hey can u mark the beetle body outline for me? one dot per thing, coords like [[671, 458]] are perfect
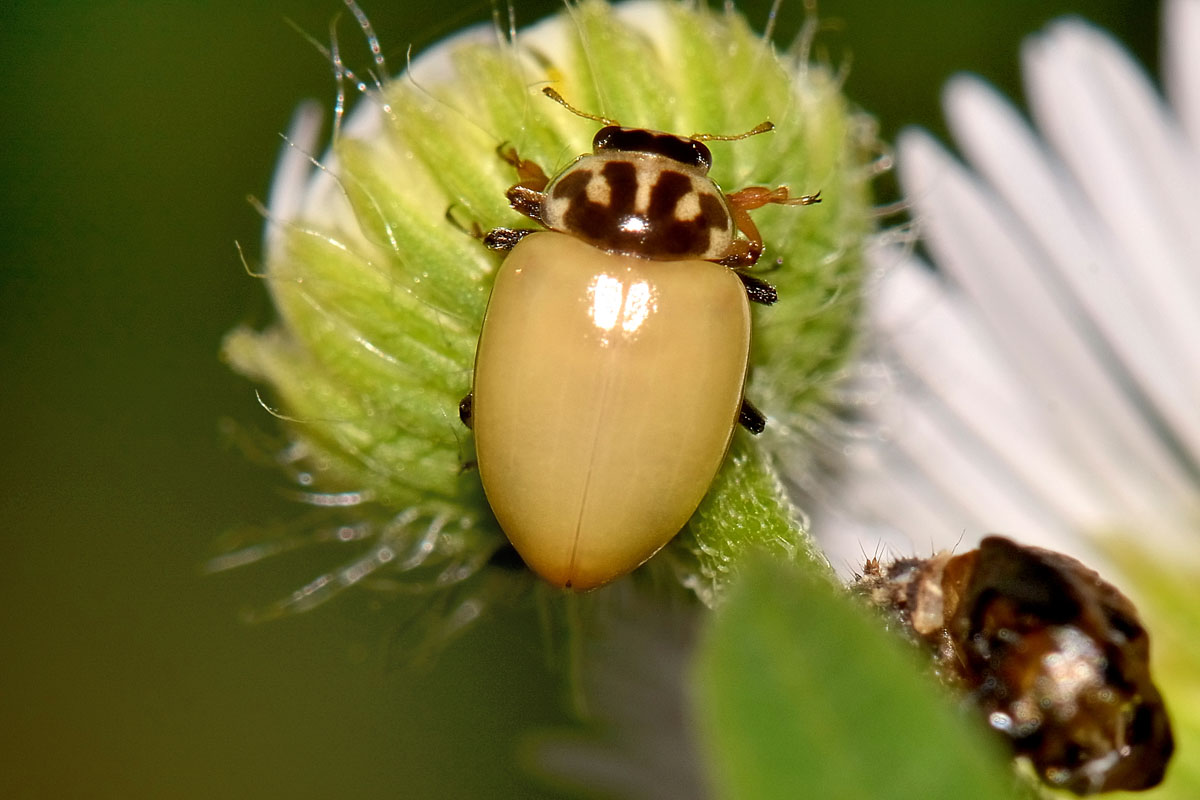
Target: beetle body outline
[[614, 351]]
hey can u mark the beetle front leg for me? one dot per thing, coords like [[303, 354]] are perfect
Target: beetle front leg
[[753, 197], [529, 173], [527, 195], [745, 253]]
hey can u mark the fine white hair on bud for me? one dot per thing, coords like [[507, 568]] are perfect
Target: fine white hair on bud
[[380, 282]]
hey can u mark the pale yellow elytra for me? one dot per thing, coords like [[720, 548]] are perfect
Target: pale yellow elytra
[[606, 391]]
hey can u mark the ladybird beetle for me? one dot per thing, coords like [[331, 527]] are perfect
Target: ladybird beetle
[[1054, 657], [614, 349]]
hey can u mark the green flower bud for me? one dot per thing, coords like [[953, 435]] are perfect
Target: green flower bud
[[381, 288]]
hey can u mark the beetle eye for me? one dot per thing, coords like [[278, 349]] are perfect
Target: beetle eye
[[603, 140]]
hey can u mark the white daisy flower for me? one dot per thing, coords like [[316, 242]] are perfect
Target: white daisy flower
[[1044, 380]]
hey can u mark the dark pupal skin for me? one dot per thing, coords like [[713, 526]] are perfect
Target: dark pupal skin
[[1054, 657]]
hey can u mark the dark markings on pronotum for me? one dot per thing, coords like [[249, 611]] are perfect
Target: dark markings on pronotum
[[664, 235]]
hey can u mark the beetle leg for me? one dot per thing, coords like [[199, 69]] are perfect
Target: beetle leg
[[506, 557], [530, 174], [742, 253], [526, 200], [526, 195], [496, 239], [469, 228], [758, 290], [753, 197], [465, 408], [751, 418], [504, 238], [745, 253]]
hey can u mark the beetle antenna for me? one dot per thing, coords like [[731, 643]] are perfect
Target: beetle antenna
[[761, 127], [558, 98]]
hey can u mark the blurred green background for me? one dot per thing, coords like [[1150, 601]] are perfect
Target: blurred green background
[[133, 133]]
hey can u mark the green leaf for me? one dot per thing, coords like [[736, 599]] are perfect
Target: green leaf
[[799, 693]]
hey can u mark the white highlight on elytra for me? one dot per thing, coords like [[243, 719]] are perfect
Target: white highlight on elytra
[[638, 305], [612, 304], [606, 295]]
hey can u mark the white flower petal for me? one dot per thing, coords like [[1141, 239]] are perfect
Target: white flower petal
[[1084, 269], [962, 451], [980, 408], [1181, 67], [1135, 168], [984, 250]]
